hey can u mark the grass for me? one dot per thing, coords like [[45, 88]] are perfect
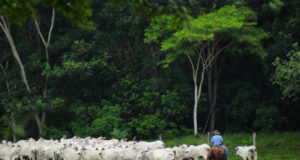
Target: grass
[[270, 146]]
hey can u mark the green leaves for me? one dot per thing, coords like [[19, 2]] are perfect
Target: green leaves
[[78, 61], [19, 11], [287, 74], [79, 11], [276, 4], [108, 120], [148, 125], [160, 25], [204, 27], [228, 21], [251, 36], [156, 8]]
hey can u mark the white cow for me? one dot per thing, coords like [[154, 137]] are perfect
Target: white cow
[[130, 153], [143, 145], [110, 154], [158, 154], [181, 152], [9, 152], [49, 151], [247, 152], [90, 153], [199, 151], [69, 153]]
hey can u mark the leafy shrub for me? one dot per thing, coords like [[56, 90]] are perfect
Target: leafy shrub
[[118, 134], [107, 121], [268, 118], [54, 133]]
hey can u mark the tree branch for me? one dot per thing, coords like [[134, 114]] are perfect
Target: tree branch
[[192, 64], [51, 27], [3, 25], [39, 32], [219, 51]]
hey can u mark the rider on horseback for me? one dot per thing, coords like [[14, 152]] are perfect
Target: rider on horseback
[[217, 140]]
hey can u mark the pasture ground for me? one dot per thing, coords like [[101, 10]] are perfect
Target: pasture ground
[[270, 146]]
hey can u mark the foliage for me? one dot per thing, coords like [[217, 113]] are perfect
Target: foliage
[[268, 118], [287, 74], [9, 130], [108, 121], [19, 11], [116, 133], [242, 110], [148, 125], [51, 132], [148, 110], [83, 115], [154, 8], [106, 82], [204, 28]]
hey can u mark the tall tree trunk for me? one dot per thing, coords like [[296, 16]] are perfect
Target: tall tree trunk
[[5, 27], [154, 60], [213, 75], [210, 99], [212, 92], [195, 111], [197, 88], [205, 61], [41, 121], [13, 127]]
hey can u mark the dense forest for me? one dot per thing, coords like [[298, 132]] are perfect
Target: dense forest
[[141, 69]]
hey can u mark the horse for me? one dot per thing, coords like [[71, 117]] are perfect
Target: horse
[[216, 153]]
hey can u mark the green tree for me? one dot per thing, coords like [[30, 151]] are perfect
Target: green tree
[[203, 40], [17, 12], [287, 74]]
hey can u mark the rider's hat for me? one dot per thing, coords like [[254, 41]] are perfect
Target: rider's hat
[[216, 132]]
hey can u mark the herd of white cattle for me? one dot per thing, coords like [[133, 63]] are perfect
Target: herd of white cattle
[[89, 148]]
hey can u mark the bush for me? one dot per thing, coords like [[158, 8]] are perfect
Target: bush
[[54, 133]]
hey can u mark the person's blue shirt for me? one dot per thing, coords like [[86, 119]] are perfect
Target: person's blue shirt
[[217, 140]]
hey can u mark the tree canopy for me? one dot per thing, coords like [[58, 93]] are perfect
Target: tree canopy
[[287, 73], [18, 11]]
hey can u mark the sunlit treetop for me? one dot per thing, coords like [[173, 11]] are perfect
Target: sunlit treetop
[[229, 21], [202, 27]]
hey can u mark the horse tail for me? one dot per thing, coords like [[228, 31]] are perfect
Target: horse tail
[[210, 155], [216, 153]]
